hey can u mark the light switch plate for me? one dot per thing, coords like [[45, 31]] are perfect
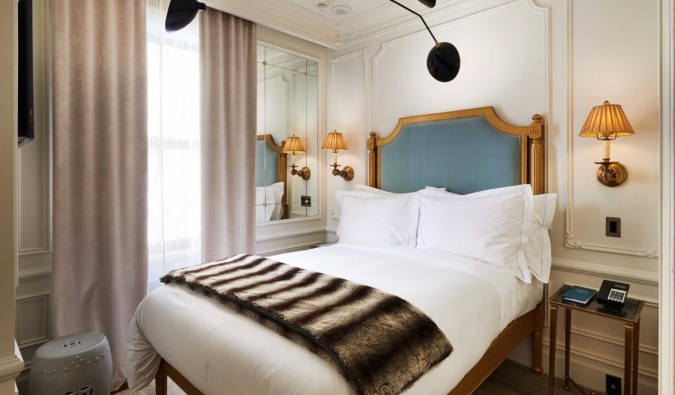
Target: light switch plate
[[306, 201], [613, 227], [613, 385]]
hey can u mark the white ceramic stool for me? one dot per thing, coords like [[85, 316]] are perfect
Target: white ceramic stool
[[72, 365]]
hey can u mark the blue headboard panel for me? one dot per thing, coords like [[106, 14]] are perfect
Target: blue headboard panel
[[463, 151], [463, 155], [266, 164]]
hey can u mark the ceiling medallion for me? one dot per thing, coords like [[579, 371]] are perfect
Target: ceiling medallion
[[322, 4]]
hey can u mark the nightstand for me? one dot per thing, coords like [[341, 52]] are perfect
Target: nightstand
[[629, 316]]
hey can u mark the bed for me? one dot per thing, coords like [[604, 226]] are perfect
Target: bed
[[464, 151], [271, 180]]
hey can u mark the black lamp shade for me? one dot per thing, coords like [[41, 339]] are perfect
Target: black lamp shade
[[181, 13], [443, 62], [428, 3]]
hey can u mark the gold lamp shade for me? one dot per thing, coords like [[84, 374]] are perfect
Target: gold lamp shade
[[334, 142], [293, 145], [607, 121]]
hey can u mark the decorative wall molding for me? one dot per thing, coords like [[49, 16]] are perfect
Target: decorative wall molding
[[43, 299], [363, 53], [34, 273], [605, 271], [291, 234], [619, 342], [607, 363], [570, 240]]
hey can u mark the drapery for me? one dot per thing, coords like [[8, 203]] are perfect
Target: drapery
[[174, 192], [100, 168], [228, 133]]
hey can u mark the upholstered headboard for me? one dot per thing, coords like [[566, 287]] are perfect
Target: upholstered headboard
[[464, 151]]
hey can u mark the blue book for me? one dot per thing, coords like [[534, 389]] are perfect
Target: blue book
[[579, 294]]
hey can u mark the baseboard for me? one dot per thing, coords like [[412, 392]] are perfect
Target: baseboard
[[586, 368]]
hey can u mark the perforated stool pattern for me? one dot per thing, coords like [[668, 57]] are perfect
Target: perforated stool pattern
[[72, 365]]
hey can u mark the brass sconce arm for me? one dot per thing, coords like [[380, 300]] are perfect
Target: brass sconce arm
[[611, 174], [347, 173], [303, 173]]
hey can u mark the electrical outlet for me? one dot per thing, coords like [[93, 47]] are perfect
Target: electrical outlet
[[305, 201], [613, 227], [612, 385]]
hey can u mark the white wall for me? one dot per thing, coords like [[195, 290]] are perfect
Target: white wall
[[559, 59], [10, 365]]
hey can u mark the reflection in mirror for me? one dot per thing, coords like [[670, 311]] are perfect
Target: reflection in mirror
[[287, 108]]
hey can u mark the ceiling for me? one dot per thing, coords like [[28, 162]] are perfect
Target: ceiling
[[328, 27]]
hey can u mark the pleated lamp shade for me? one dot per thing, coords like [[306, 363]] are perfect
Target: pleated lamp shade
[[293, 145], [607, 120], [334, 142]]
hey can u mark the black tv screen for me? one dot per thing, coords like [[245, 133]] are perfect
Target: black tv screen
[[26, 131]]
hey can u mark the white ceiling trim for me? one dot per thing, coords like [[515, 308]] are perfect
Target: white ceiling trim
[[312, 26]]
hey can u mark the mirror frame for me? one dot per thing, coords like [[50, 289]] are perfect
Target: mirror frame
[[320, 65]]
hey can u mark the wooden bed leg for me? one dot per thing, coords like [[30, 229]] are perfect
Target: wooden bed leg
[[161, 381], [537, 341]]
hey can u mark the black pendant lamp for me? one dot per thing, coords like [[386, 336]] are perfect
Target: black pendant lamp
[[181, 13], [443, 61]]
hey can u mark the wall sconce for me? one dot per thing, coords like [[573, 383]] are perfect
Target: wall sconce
[[336, 142], [606, 123], [294, 146]]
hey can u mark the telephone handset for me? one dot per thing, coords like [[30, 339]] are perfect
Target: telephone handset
[[613, 294]]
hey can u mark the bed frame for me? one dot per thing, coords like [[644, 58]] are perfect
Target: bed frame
[[528, 156], [276, 155]]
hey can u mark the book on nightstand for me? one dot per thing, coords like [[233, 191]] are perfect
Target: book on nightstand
[[579, 295]]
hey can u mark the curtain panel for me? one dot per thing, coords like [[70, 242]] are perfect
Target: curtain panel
[[228, 92], [100, 168]]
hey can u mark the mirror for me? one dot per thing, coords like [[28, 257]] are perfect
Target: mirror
[[287, 106]]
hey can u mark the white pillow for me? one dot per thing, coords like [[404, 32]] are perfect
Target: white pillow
[[538, 249], [379, 220], [278, 190], [492, 229], [366, 188], [341, 195]]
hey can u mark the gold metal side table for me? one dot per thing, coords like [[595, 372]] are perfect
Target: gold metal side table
[[629, 315]]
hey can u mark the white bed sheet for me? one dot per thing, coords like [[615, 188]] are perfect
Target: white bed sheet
[[222, 352]]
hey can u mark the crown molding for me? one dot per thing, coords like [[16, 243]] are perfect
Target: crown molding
[[290, 18]]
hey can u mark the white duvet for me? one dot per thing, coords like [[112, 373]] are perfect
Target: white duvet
[[224, 353]]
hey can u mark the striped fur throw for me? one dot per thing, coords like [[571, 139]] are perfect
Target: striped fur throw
[[380, 343]]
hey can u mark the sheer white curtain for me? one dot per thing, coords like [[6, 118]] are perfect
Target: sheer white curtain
[[174, 174]]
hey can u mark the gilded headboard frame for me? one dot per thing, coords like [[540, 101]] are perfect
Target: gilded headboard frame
[[533, 160], [282, 168]]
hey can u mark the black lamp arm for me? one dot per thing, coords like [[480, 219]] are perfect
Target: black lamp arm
[[423, 21]]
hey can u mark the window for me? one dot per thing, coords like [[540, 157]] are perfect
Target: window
[[174, 177]]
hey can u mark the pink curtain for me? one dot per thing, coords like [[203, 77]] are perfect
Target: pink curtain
[[100, 168], [228, 133]]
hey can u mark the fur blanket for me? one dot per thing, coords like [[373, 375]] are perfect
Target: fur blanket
[[379, 342]]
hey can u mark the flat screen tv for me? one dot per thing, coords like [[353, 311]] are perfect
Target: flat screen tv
[[26, 129]]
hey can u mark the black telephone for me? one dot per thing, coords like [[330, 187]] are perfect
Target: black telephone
[[612, 294]]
